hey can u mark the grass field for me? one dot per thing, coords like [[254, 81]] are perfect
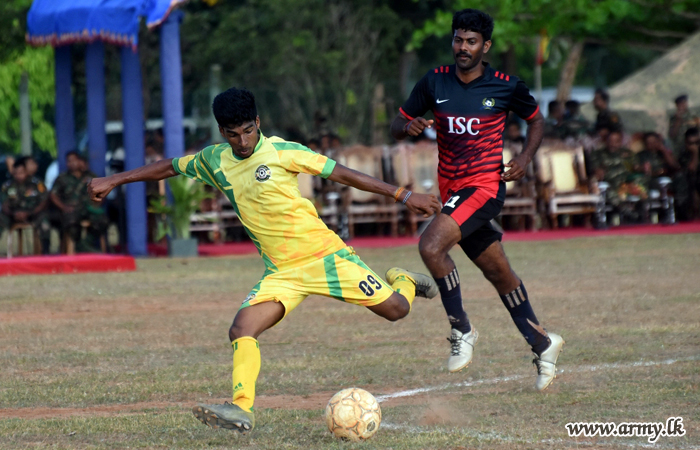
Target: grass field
[[118, 360]]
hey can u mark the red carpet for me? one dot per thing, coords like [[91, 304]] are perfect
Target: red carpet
[[88, 262], [93, 262], [245, 248]]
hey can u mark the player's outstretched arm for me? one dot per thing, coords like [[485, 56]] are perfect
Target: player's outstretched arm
[[159, 170], [517, 167], [401, 127], [418, 203]]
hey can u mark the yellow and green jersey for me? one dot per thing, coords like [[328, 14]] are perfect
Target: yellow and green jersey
[[264, 192]]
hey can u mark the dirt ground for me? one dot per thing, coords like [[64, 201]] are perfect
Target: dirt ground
[[119, 360]]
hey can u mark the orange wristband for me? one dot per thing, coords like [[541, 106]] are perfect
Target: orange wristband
[[397, 193]]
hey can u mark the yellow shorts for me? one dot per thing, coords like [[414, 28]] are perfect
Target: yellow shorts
[[341, 275]]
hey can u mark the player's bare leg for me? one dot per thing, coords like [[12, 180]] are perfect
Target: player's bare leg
[[438, 239], [545, 346], [442, 234], [394, 308], [407, 285], [248, 324]]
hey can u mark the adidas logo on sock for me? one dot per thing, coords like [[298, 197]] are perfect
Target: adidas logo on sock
[[237, 387]]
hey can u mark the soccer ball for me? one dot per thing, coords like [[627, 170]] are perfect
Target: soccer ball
[[353, 414]]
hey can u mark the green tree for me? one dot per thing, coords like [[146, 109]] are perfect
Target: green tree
[[300, 57], [656, 24], [17, 57]]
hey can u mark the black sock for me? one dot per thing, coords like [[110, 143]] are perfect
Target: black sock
[[451, 295], [521, 312]]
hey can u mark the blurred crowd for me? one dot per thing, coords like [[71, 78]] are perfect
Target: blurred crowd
[[628, 167], [631, 164], [58, 201]]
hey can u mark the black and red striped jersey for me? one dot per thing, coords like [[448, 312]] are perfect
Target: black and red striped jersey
[[469, 120]]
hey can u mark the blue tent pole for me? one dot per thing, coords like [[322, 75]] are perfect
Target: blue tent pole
[[96, 108], [171, 81], [65, 119], [132, 116]]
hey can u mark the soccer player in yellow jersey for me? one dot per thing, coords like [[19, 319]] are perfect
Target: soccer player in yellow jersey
[[302, 256]]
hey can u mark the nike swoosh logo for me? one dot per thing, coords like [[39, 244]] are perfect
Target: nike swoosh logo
[[441, 101]]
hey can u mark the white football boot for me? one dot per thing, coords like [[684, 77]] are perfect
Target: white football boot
[[462, 349], [546, 362]]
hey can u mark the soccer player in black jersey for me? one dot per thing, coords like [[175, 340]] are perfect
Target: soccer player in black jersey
[[470, 102]]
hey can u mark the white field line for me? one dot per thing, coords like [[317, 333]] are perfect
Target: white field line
[[498, 380], [504, 438]]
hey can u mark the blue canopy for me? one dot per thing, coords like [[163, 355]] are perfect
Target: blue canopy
[[60, 22]]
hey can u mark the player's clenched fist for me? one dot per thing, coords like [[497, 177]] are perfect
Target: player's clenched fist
[[426, 204], [417, 125], [99, 188], [516, 168]]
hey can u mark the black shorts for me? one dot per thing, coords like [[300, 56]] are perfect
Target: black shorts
[[473, 209]]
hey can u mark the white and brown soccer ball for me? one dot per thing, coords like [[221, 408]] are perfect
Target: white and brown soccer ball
[[353, 414]]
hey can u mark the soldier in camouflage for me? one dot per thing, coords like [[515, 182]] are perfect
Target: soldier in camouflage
[[686, 183], [615, 165], [69, 194], [24, 201], [679, 123], [654, 161]]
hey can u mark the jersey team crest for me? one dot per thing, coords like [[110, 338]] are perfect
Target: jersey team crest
[[488, 103], [262, 173]]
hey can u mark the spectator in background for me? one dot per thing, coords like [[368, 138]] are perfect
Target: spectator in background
[[614, 164], [605, 116], [314, 144], [336, 142], [32, 168], [553, 125], [24, 201], [70, 196], [514, 133], [6, 163], [687, 181], [334, 147], [679, 123], [325, 145], [655, 160], [575, 124], [593, 143]]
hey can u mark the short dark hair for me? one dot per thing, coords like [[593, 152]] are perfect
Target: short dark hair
[[552, 106], [234, 107], [473, 20], [603, 94], [681, 98], [649, 134], [74, 153], [572, 104], [20, 162], [695, 131]]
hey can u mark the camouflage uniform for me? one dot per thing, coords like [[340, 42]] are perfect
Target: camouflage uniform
[[575, 126], [72, 191], [688, 120], [24, 197], [656, 163], [685, 183], [624, 182]]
